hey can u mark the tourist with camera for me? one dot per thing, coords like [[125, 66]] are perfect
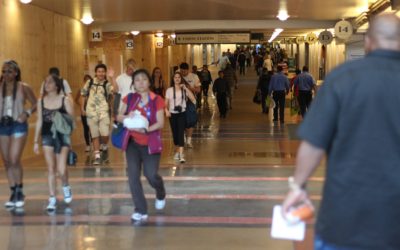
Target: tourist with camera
[[175, 103], [14, 127]]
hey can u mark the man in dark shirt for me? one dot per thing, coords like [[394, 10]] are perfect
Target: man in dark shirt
[[355, 121], [206, 79], [305, 84], [242, 62], [221, 89], [263, 86], [279, 87]]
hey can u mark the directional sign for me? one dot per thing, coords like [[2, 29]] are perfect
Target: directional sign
[[129, 44], [325, 37], [344, 30], [97, 35], [311, 38]]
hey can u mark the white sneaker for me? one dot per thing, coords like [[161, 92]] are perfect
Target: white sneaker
[[182, 158], [176, 156], [52, 204], [139, 217], [160, 204], [67, 194]]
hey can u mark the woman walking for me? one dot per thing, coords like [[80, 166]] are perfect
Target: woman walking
[[157, 82], [78, 100], [143, 148], [14, 127], [53, 109], [175, 102]]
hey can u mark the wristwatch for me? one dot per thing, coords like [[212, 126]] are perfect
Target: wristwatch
[[293, 186]]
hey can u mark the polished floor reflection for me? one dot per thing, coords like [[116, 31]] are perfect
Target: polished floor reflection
[[222, 198]]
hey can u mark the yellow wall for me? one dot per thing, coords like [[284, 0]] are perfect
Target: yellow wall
[[38, 39]]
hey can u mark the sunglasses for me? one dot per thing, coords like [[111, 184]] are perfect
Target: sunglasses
[[7, 71]]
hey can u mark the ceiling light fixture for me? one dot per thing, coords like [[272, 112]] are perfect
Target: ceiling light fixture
[[173, 35], [275, 34], [159, 34], [283, 15], [135, 32], [25, 1], [87, 19]]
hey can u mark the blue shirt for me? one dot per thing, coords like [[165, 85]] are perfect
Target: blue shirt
[[305, 81], [279, 82]]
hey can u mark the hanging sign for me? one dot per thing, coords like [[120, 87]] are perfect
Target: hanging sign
[[213, 38], [300, 39], [159, 42], [325, 37], [311, 38], [129, 44], [97, 35], [343, 30]]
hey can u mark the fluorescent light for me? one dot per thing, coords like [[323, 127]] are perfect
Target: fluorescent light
[[159, 34], [275, 34], [283, 15], [87, 19], [173, 35], [25, 1], [135, 32]]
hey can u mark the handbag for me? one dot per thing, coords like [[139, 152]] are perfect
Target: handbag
[[190, 114], [118, 133], [257, 97], [72, 158]]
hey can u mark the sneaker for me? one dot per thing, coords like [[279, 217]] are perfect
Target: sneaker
[[67, 194], [97, 161], [182, 158], [176, 156], [52, 204], [139, 217], [20, 199], [87, 149], [160, 204], [11, 202]]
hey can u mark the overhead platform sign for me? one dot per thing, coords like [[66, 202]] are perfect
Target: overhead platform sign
[[213, 38]]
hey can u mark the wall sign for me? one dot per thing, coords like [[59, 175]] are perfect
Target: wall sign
[[129, 44], [97, 35], [213, 38], [325, 37], [343, 30], [159, 42], [311, 38]]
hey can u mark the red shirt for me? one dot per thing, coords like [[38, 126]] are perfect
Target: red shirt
[[143, 139]]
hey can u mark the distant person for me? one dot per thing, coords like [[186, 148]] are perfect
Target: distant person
[[306, 84], [206, 80], [268, 64], [354, 120], [175, 102], [81, 100], [139, 154], [295, 89], [223, 61], [221, 91], [248, 57], [231, 78], [66, 89], [157, 82], [199, 93], [98, 96], [55, 110], [14, 115], [242, 63], [124, 81], [263, 86], [279, 87], [194, 86]]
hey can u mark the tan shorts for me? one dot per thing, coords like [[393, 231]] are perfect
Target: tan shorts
[[99, 125]]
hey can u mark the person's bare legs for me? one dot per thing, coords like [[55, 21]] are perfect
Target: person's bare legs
[[51, 168], [4, 150], [189, 133], [61, 160]]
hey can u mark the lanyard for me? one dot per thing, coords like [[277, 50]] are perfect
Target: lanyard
[[146, 108]]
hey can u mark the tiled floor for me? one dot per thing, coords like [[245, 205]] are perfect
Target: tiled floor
[[222, 198]]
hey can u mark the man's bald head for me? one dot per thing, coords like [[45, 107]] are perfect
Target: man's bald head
[[383, 33]]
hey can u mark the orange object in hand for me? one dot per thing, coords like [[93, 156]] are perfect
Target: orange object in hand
[[301, 213]]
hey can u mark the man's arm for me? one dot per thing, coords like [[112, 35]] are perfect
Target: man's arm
[[308, 159]]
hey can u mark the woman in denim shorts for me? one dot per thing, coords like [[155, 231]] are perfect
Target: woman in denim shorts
[[56, 148], [14, 127]]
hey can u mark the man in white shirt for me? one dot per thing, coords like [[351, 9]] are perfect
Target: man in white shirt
[[66, 88], [195, 86], [268, 63], [223, 61], [124, 84]]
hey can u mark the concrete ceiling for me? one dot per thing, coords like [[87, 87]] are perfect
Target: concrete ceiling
[[207, 15]]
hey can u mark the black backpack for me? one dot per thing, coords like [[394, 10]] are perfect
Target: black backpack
[[91, 83]]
